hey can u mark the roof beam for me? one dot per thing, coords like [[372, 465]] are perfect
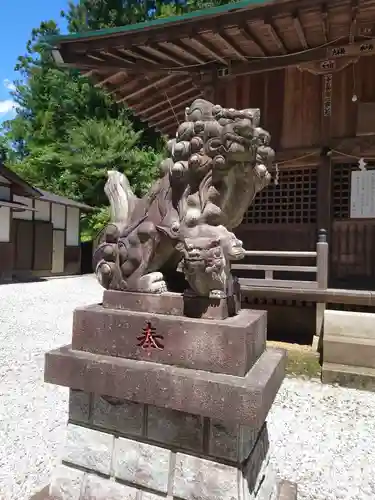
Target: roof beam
[[168, 106], [137, 55], [273, 32], [171, 100], [356, 49], [143, 106], [186, 28], [155, 83], [325, 26], [213, 51], [300, 31], [159, 52], [246, 33], [232, 45], [89, 62], [189, 51]]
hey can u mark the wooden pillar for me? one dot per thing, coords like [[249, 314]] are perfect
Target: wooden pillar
[[324, 194]]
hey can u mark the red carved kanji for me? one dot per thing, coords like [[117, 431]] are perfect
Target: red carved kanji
[[149, 338]]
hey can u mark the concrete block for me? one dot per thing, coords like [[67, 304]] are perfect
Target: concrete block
[[232, 442], [89, 448], [349, 324], [142, 464], [351, 351], [98, 488], [79, 406], [66, 484], [126, 417], [175, 428], [349, 376], [204, 479]]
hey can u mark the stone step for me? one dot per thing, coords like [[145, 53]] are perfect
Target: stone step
[[351, 351], [349, 376]]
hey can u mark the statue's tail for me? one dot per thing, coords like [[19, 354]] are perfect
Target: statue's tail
[[121, 198]]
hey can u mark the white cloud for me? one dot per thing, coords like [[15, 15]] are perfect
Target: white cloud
[[9, 85], [7, 106]]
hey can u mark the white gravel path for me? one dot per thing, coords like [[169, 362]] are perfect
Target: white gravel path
[[322, 437]]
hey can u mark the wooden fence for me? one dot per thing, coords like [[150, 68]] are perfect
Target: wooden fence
[[319, 270]]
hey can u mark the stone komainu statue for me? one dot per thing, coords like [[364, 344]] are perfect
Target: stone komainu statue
[[218, 161]]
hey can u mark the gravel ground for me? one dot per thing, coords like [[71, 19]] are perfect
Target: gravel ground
[[322, 437]]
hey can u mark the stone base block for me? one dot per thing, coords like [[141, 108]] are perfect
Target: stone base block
[[175, 304], [236, 400], [230, 346], [349, 376], [100, 465]]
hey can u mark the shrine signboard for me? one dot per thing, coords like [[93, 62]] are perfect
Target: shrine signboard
[[362, 194]]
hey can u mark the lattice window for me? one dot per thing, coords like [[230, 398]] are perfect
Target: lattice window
[[292, 201], [341, 184]]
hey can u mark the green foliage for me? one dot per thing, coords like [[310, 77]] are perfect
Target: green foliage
[[67, 133]]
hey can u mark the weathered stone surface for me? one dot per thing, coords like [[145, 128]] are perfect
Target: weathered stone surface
[[240, 400], [126, 417], [89, 448], [79, 406], [142, 464], [98, 488], [66, 484], [232, 442], [200, 479], [175, 428], [158, 303], [229, 346], [257, 461]]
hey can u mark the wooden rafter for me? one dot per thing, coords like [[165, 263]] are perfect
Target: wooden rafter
[[159, 52], [300, 31], [213, 51], [190, 51], [353, 20], [148, 103], [248, 35], [293, 59], [107, 79], [114, 54], [154, 84], [276, 37], [134, 53], [187, 29], [232, 45], [172, 100], [168, 107], [325, 27]]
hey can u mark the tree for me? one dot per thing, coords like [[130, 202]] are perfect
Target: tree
[[67, 132]]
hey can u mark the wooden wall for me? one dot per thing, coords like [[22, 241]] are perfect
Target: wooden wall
[[291, 102]]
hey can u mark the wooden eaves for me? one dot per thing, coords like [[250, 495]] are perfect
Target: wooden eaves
[[157, 68]]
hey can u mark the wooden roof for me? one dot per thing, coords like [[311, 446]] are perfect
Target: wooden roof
[[158, 68]]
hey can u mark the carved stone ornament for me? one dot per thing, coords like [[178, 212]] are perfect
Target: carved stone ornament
[[181, 231]]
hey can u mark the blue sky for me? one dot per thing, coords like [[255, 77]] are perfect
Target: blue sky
[[18, 18]]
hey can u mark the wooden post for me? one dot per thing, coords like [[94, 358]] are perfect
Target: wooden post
[[324, 198], [322, 254]]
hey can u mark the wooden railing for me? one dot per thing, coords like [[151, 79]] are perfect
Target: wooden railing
[[320, 269]]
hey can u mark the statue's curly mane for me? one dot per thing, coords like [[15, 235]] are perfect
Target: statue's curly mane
[[218, 161]]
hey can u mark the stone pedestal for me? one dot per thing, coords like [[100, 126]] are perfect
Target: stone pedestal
[[166, 406]]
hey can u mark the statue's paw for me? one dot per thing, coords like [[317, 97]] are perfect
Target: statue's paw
[[152, 283]]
